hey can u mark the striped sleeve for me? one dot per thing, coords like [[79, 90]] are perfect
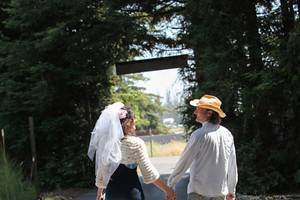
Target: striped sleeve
[[149, 172], [99, 182]]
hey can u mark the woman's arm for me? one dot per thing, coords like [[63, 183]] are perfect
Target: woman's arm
[[100, 185], [100, 194], [169, 193], [150, 173]]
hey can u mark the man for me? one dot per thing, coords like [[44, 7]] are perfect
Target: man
[[210, 155]]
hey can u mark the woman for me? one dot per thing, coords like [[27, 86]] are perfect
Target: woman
[[118, 153]]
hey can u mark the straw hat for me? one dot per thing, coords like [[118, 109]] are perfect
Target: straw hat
[[209, 102]]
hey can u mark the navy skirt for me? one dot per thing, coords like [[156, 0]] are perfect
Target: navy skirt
[[124, 184]]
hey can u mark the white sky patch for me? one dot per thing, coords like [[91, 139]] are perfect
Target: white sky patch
[[161, 81]]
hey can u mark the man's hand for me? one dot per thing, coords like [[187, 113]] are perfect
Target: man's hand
[[230, 196]]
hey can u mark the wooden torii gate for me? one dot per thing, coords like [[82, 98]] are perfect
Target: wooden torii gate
[[152, 64]]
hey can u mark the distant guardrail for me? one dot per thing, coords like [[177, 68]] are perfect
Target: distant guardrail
[[162, 139]]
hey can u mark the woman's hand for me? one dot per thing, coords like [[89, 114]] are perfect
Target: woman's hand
[[100, 194], [170, 194]]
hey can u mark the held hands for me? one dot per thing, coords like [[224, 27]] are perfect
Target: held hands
[[170, 195], [230, 196], [100, 194]]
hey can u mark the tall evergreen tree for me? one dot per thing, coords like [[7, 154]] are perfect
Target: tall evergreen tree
[[54, 61], [243, 54]]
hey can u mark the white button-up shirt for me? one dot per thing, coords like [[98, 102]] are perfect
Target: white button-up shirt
[[210, 155]]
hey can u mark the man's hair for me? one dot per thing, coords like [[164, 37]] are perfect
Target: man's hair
[[214, 118]]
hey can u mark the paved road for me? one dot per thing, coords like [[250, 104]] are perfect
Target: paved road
[[165, 166]]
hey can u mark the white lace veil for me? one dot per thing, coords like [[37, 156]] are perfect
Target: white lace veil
[[105, 142]]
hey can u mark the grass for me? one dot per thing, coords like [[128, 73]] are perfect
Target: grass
[[176, 130], [173, 148], [64, 194], [51, 196], [13, 186]]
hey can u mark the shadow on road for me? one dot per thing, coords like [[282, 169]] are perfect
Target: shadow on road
[[164, 165], [151, 191]]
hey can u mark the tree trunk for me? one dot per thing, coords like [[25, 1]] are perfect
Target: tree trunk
[[298, 4], [34, 173], [292, 12], [287, 14], [199, 69], [253, 37], [253, 42]]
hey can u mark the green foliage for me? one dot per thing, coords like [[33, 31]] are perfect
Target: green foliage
[[13, 186], [247, 168], [256, 181], [297, 177], [247, 54], [55, 56], [147, 107], [54, 60]]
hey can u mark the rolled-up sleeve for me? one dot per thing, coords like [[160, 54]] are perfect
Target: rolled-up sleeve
[[185, 160], [149, 172], [99, 182], [232, 171]]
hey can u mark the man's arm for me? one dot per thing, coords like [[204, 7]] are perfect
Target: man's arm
[[232, 171], [185, 160]]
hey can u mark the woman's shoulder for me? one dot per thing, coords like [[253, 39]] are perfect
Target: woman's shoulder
[[132, 141]]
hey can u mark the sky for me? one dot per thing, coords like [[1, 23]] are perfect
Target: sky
[[161, 81]]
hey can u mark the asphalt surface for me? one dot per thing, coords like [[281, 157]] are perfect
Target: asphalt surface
[[165, 166]]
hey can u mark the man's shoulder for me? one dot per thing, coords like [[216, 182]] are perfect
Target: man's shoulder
[[199, 132], [225, 131]]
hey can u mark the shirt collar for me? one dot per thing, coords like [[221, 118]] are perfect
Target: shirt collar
[[205, 123]]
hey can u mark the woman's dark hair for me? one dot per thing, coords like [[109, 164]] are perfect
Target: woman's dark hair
[[214, 118], [128, 119]]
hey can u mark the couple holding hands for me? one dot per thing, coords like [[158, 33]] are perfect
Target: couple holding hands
[[209, 153]]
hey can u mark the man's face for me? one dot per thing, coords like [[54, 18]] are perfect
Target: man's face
[[202, 114]]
